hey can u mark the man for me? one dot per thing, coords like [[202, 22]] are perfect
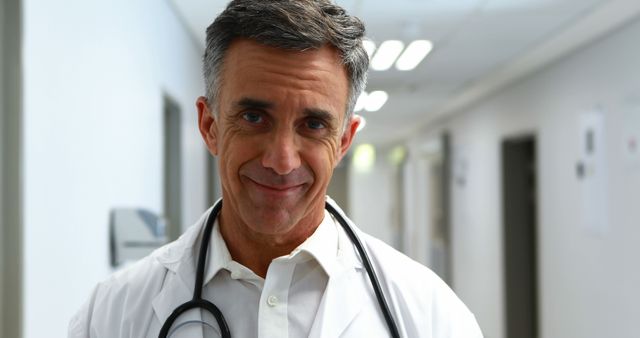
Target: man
[[282, 78]]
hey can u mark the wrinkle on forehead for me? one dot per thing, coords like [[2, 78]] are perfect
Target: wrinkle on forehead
[[255, 50], [309, 65], [288, 68]]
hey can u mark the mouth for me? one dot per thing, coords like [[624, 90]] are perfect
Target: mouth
[[276, 189]]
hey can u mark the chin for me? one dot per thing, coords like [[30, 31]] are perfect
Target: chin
[[272, 222]]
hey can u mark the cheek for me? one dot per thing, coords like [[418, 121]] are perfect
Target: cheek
[[322, 159], [233, 142], [333, 151], [235, 151]]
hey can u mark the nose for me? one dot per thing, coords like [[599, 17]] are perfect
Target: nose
[[282, 152]]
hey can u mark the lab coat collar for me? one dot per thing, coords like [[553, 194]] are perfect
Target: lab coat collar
[[348, 257]]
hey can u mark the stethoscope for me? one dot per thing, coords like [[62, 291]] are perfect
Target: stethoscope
[[198, 302]]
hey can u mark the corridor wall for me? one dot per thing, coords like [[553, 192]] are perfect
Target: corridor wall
[[96, 73], [588, 276]]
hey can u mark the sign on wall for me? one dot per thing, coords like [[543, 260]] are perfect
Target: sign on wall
[[592, 171], [631, 139]]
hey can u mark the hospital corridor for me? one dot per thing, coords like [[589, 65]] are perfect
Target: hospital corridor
[[498, 144]]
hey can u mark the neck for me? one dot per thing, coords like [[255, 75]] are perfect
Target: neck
[[256, 250]]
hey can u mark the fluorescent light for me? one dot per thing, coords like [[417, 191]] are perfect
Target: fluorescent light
[[364, 157], [415, 52], [362, 100], [386, 55], [369, 46], [375, 100], [397, 155]]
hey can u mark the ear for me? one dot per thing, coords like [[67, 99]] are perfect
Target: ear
[[207, 125], [349, 134]]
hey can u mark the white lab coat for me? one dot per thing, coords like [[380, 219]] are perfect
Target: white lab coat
[[136, 302]]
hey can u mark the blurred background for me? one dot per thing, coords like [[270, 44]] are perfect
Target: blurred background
[[503, 152]]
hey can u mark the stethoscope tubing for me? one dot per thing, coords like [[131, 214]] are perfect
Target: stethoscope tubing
[[198, 302]]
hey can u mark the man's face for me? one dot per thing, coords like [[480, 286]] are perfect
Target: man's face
[[278, 134]]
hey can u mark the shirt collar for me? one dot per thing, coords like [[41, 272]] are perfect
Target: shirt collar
[[322, 246], [218, 256]]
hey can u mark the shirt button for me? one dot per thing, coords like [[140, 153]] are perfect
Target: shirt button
[[272, 301]]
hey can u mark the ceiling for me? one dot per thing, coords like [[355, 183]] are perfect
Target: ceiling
[[479, 47]]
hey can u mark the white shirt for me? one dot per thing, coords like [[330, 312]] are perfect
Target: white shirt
[[285, 303]]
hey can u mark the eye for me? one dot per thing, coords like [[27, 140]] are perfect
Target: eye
[[252, 117], [315, 124]]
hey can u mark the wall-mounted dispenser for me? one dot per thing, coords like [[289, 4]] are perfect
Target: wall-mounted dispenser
[[134, 233]]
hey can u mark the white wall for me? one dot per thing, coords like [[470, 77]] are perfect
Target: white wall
[[95, 76], [588, 280], [370, 197], [416, 227]]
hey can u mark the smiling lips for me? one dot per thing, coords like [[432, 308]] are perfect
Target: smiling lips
[[277, 188], [271, 183]]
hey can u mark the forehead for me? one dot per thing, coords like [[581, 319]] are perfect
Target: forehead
[[254, 69]]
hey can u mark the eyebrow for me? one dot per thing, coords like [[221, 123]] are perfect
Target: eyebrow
[[247, 102], [320, 114]]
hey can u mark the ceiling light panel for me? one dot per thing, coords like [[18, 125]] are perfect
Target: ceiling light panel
[[414, 54], [386, 55], [364, 158], [362, 100], [375, 100], [369, 47]]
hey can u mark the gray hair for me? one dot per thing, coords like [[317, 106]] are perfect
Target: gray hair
[[288, 24]]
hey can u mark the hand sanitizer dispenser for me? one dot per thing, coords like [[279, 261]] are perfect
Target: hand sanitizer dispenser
[[134, 233]]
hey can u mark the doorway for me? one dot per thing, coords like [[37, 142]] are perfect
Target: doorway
[[11, 224], [172, 168], [519, 184]]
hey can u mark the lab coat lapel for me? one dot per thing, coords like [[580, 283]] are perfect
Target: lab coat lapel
[[344, 296], [174, 293], [170, 298], [341, 303], [179, 280]]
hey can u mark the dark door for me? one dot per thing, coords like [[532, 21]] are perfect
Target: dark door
[[520, 253]]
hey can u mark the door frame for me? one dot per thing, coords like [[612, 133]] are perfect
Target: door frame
[[11, 228]]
